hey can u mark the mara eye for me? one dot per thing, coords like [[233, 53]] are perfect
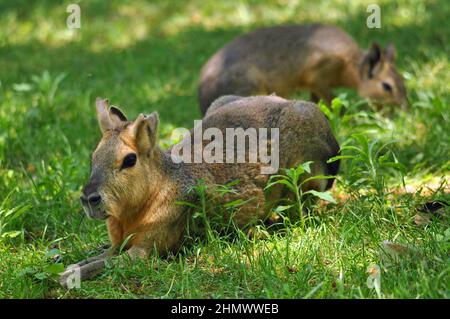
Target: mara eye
[[129, 161], [386, 86]]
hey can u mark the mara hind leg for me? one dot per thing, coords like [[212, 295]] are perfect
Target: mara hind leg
[[247, 193]]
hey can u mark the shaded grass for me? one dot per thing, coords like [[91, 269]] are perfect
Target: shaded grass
[[146, 56]]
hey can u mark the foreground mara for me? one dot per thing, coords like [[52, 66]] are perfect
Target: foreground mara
[[312, 57], [135, 186]]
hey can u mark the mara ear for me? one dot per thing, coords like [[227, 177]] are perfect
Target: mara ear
[[108, 118], [104, 120], [390, 52], [372, 61], [115, 111], [145, 131]]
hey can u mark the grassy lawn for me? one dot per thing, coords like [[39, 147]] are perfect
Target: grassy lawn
[[146, 56]]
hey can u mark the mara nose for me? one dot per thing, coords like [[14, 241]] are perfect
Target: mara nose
[[92, 199]]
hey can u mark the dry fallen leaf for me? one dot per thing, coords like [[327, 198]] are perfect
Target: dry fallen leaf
[[373, 270], [394, 251], [292, 270], [421, 219], [435, 208]]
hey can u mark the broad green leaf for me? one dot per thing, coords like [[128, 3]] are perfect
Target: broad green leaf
[[325, 109], [11, 234], [322, 195], [280, 209], [317, 177], [41, 275], [52, 252], [185, 204], [307, 166], [283, 182], [54, 269], [237, 202], [22, 87], [26, 271], [339, 157]]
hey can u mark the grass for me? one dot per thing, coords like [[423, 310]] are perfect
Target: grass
[[146, 56]]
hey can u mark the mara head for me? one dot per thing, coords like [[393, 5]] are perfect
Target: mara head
[[380, 82], [121, 163]]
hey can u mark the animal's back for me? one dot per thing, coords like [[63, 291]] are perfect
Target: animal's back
[[304, 131], [304, 135], [273, 60]]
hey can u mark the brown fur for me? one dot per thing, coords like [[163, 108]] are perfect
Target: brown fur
[[141, 201], [315, 57]]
